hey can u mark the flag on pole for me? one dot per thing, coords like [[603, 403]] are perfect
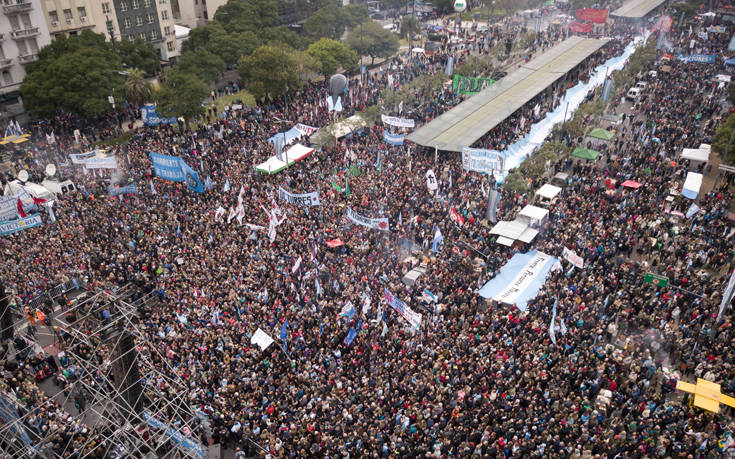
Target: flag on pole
[[153, 189], [227, 186], [284, 335], [438, 238], [492, 205], [348, 310], [208, 183], [21, 213], [552, 328]]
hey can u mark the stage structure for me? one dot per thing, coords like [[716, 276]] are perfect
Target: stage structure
[[133, 409]]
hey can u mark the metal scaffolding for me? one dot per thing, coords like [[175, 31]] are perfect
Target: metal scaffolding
[[134, 409]]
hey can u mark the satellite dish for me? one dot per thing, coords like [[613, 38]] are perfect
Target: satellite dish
[[50, 170], [23, 175]]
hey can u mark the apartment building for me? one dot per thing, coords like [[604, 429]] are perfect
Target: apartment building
[[69, 17], [150, 20], [195, 13], [23, 33]]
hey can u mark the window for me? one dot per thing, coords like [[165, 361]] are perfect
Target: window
[[53, 16], [147, 3], [7, 78], [170, 46], [22, 48], [105, 8], [136, 4], [167, 30], [161, 2], [150, 18], [2, 53], [164, 15], [82, 12], [68, 16], [123, 6], [26, 19], [14, 23], [139, 21], [127, 23], [32, 45], [153, 35], [141, 35]]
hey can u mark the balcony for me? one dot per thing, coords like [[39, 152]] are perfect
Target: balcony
[[5, 63], [28, 58], [17, 8], [23, 33]]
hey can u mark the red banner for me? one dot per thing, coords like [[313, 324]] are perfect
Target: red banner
[[581, 27], [592, 15]]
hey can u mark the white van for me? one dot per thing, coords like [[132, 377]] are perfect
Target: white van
[[642, 85], [56, 187], [633, 94]]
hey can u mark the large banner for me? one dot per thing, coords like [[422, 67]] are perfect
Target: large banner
[[592, 15], [581, 27], [80, 158], [411, 316], [175, 169], [13, 226], [393, 139], [9, 206], [663, 23], [374, 223], [520, 279], [398, 122], [700, 58], [99, 162], [470, 85], [151, 118], [485, 161], [306, 199], [127, 189]]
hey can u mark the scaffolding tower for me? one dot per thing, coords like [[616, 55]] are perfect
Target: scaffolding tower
[[134, 408]]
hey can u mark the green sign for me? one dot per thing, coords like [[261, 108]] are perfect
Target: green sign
[[470, 85], [656, 280]]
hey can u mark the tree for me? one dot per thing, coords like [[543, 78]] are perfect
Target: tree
[[139, 54], [325, 22], [181, 94], [409, 27], [203, 64], [722, 137], [515, 183], [137, 89], [373, 40], [227, 46], [247, 15], [271, 70], [331, 55], [443, 6], [74, 74]]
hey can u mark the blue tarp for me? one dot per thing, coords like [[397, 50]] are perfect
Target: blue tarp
[[520, 279]]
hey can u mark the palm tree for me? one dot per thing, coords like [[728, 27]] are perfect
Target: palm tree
[[137, 89]]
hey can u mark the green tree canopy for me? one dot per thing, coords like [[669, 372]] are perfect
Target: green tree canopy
[[371, 39], [181, 94], [137, 89], [722, 139], [203, 64], [247, 15], [139, 54], [227, 46], [74, 74], [271, 70], [331, 55], [515, 183]]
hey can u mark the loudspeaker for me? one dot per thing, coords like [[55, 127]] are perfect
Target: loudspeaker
[[6, 315]]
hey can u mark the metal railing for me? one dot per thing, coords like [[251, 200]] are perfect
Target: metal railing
[[17, 8], [23, 33], [53, 293]]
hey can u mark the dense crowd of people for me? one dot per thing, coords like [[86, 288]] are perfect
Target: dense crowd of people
[[477, 378]]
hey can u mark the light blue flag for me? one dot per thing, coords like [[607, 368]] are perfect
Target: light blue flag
[[552, 328], [438, 238], [227, 186]]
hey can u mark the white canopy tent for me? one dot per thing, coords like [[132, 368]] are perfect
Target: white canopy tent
[[534, 215], [548, 191], [692, 184], [700, 154]]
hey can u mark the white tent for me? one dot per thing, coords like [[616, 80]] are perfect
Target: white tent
[[697, 154], [548, 191], [692, 184], [37, 191], [534, 214]]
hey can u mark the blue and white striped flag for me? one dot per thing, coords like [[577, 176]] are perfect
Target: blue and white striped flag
[[493, 201]]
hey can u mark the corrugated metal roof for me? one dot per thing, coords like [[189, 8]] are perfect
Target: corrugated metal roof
[[637, 8], [467, 122]]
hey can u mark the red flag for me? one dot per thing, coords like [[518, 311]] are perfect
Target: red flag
[[38, 201], [20, 209]]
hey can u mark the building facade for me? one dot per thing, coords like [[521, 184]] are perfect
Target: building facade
[[150, 20], [68, 17], [194, 13], [23, 33]]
